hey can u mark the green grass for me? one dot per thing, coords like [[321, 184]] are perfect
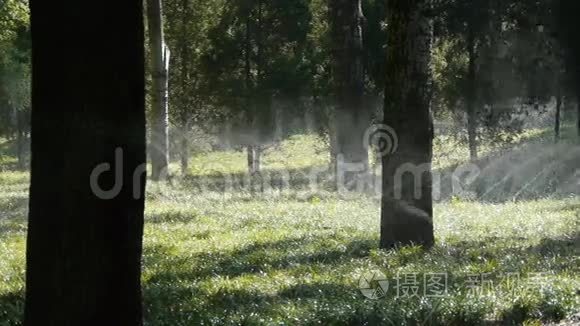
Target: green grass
[[293, 257]]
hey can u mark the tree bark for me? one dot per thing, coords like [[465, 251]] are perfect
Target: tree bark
[[252, 113], [160, 56], [185, 120], [83, 251], [557, 120], [352, 118], [407, 206], [184, 144], [578, 115], [471, 95], [20, 141], [254, 159], [333, 142]]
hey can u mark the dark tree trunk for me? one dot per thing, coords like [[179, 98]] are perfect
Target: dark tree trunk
[[159, 93], [557, 120], [254, 159], [352, 118], [84, 245], [407, 206], [333, 142], [253, 165], [578, 115], [20, 140], [185, 120], [184, 144], [471, 96]]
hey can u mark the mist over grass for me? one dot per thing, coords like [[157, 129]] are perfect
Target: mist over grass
[[294, 257]]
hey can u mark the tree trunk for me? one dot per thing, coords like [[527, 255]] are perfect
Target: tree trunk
[[352, 118], [254, 159], [249, 92], [557, 120], [185, 121], [19, 136], [333, 142], [471, 97], [84, 243], [184, 144], [20, 140], [228, 135], [160, 56], [407, 205], [578, 115]]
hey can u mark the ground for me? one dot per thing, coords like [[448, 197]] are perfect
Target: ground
[[269, 257]]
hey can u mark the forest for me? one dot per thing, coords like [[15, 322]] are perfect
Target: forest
[[289, 162]]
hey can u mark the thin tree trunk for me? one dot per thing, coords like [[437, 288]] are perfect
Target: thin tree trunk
[[253, 148], [160, 57], [228, 134], [185, 121], [278, 122], [84, 242], [248, 86], [557, 120], [471, 97], [332, 138], [184, 144], [262, 103], [20, 140], [254, 159], [352, 118], [407, 205], [578, 115]]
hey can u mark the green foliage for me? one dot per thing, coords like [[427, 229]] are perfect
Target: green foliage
[[188, 23], [449, 69], [13, 16], [14, 63], [375, 42], [258, 53]]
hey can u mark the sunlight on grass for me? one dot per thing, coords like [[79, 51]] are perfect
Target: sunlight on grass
[[293, 258]]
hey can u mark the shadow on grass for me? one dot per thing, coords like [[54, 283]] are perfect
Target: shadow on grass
[[172, 216], [257, 258], [179, 281], [12, 227], [565, 248], [13, 208], [11, 308]]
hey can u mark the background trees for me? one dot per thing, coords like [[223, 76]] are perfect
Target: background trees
[[258, 58], [565, 25], [84, 245], [484, 73], [15, 76], [160, 62], [351, 117]]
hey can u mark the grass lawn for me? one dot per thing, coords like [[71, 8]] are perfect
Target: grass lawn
[[296, 258]]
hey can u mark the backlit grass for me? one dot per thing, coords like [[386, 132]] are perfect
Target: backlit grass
[[294, 257]]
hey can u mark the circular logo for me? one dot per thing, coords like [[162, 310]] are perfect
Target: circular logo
[[383, 138], [373, 285]]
